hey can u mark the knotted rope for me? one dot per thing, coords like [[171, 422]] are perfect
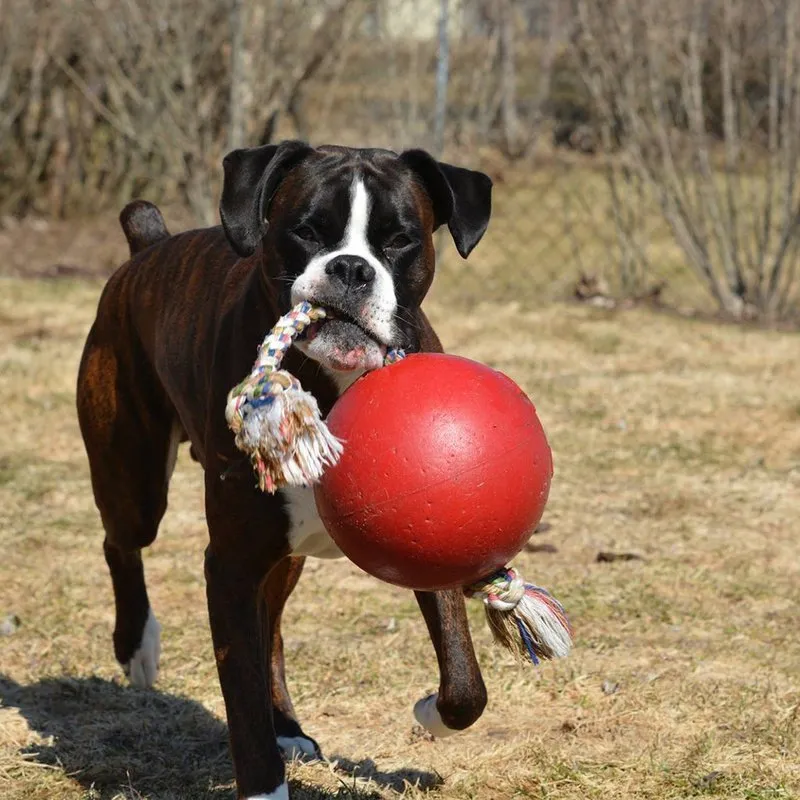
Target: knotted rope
[[524, 618], [279, 426]]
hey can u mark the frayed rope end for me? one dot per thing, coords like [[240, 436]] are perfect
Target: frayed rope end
[[283, 433], [525, 619]]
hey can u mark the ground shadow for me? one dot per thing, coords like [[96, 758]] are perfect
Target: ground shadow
[[110, 737], [107, 736], [398, 779]]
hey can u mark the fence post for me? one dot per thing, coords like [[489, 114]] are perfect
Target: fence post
[[236, 114], [442, 77], [440, 110]]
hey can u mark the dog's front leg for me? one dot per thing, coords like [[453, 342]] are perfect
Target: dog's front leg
[[462, 695], [238, 559]]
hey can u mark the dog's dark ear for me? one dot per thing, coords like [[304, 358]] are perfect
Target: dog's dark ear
[[251, 179], [462, 198]]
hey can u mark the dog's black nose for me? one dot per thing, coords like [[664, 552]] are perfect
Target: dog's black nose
[[352, 271]]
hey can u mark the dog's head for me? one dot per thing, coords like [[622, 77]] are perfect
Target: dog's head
[[352, 231]]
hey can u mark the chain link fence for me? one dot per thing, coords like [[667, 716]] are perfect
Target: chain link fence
[[102, 101]]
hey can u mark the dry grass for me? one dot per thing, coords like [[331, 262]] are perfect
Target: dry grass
[[679, 441]]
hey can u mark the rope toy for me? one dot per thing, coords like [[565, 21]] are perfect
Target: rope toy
[[279, 426], [275, 421]]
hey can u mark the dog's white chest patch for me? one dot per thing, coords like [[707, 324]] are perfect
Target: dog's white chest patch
[[307, 534]]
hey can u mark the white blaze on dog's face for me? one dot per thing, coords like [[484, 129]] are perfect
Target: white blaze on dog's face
[[356, 287], [351, 230]]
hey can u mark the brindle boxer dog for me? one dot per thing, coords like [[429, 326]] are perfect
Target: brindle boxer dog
[[178, 325]]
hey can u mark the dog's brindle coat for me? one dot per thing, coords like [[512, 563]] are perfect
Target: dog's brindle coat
[[179, 324]]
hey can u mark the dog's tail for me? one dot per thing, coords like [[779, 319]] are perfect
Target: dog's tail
[[143, 225]]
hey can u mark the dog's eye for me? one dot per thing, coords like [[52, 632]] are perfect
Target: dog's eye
[[398, 242], [306, 233]]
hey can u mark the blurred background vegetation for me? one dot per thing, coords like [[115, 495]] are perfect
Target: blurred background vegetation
[[643, 151]]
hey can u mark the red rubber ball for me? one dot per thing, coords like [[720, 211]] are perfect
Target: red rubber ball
[[445, 472]]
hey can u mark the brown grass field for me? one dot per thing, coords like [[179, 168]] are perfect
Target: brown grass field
[[675, 440]]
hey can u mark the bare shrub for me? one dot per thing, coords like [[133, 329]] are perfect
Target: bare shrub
[[103, 100], [706, 97], [182, 89], [34, 107]]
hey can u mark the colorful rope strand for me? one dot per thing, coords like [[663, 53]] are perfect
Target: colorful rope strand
[[274, 420]]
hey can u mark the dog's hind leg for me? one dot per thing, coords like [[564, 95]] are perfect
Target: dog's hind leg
[[131, 439], [276, 590]]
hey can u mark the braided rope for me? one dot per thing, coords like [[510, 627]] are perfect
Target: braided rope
[[262, 383], [277, 423]]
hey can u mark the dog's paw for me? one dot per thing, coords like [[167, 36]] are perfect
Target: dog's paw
[[426, 713], [142, 669], [299, 748], [281, 793]]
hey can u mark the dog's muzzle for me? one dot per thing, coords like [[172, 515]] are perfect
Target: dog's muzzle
[[345, 340]]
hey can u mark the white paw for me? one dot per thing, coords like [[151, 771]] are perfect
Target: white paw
[[298, 747], [281, 793], [426, 713], [142, 669]]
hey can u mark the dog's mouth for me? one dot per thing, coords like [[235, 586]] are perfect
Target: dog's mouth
[[332, 315], [342, 342]]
